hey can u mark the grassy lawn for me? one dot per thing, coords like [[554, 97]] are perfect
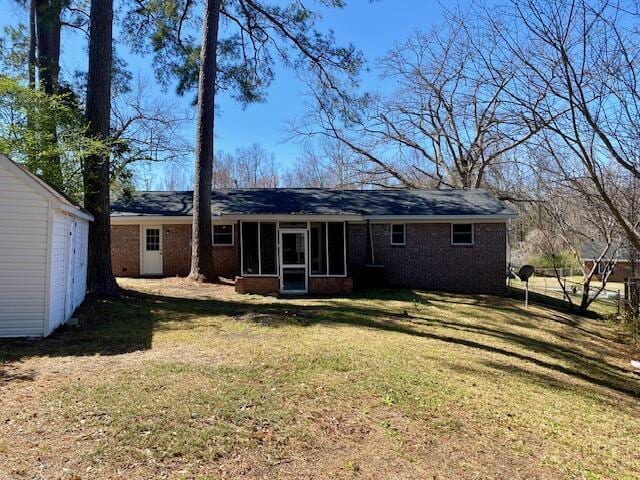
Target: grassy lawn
[[183, 381]]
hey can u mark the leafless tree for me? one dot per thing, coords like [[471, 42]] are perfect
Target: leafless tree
[[579, 59], [145, 127], [326, 163], [568, 223], [176, 177], [447, 122], [248, 167]]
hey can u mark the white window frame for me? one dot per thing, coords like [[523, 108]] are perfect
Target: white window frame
[[404, 234], [473, 235], [259, 274], [326, 246], [213, 235]]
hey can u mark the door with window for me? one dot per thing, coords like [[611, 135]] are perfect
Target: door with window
[[152, 250], [293, 261]]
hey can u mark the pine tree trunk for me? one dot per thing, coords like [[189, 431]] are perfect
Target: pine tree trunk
[[201, 246], [48, 26], [101, 282], [32, 45]]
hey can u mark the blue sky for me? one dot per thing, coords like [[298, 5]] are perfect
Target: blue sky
[[373, 27]]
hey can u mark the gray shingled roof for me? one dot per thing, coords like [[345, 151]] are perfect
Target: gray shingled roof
[[315, 201], [592, 250]]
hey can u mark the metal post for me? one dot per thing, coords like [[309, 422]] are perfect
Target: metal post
[[618, 303]]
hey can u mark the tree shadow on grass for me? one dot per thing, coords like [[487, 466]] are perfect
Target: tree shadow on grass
[[127, 325]]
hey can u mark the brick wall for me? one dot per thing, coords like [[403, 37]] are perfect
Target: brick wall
[[331, 285], [226, 258], [125, 250], [259, 285], [176, 250], [429, 261]]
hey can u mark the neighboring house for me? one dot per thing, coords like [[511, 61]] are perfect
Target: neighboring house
[[318, 240], [43, 254], [622, 261]]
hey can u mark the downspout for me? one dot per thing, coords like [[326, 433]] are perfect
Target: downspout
[[372, 255]]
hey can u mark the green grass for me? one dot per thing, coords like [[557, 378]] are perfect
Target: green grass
[[184, 381]]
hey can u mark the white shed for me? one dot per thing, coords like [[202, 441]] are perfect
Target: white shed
[[43, 254]]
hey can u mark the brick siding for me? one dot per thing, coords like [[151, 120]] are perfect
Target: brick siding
[[226, 258], [125, 250], [176, 250], [331, 285], [621, 271], [259, 285], [429, 261]]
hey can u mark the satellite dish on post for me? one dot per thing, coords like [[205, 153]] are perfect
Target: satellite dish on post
[[525, 272]]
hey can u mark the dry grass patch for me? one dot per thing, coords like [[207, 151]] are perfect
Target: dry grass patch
[[178, 380]]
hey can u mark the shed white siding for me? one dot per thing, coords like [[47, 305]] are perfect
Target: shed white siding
[[58, 270], [23, 257], [43, 254]]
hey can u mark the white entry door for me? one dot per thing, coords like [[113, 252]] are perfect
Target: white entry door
[[293, 261], [152, 250]]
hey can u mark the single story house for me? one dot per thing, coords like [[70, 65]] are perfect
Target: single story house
[[319, 240], [623, 261], [43, 254]]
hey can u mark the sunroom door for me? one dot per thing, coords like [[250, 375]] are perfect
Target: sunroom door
[[293, 261]]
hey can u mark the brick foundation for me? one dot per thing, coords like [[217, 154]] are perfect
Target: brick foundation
[[331, 285], [259, 285]]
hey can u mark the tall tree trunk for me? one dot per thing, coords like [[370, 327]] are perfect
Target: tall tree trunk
[[48, 25], [32, 45], [201, 246], [101, 282]]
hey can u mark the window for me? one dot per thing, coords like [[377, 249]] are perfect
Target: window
[[462, 234], [398, 233], [268, 242], [250, 255], [335, 247], [223, 234], [153, 239], [604, 267], [318, 248], [327, 248], [258, 248]]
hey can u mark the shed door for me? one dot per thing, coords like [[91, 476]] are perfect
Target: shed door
[[151, 250]]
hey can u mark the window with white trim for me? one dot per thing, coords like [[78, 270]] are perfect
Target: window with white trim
[[604, 267], [259, 248], [153, 240], [327, 242], [398, 234], [462, 234], [223, 234]]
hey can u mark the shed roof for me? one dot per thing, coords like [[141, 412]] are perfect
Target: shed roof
[[45, 189], [317, 201]]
